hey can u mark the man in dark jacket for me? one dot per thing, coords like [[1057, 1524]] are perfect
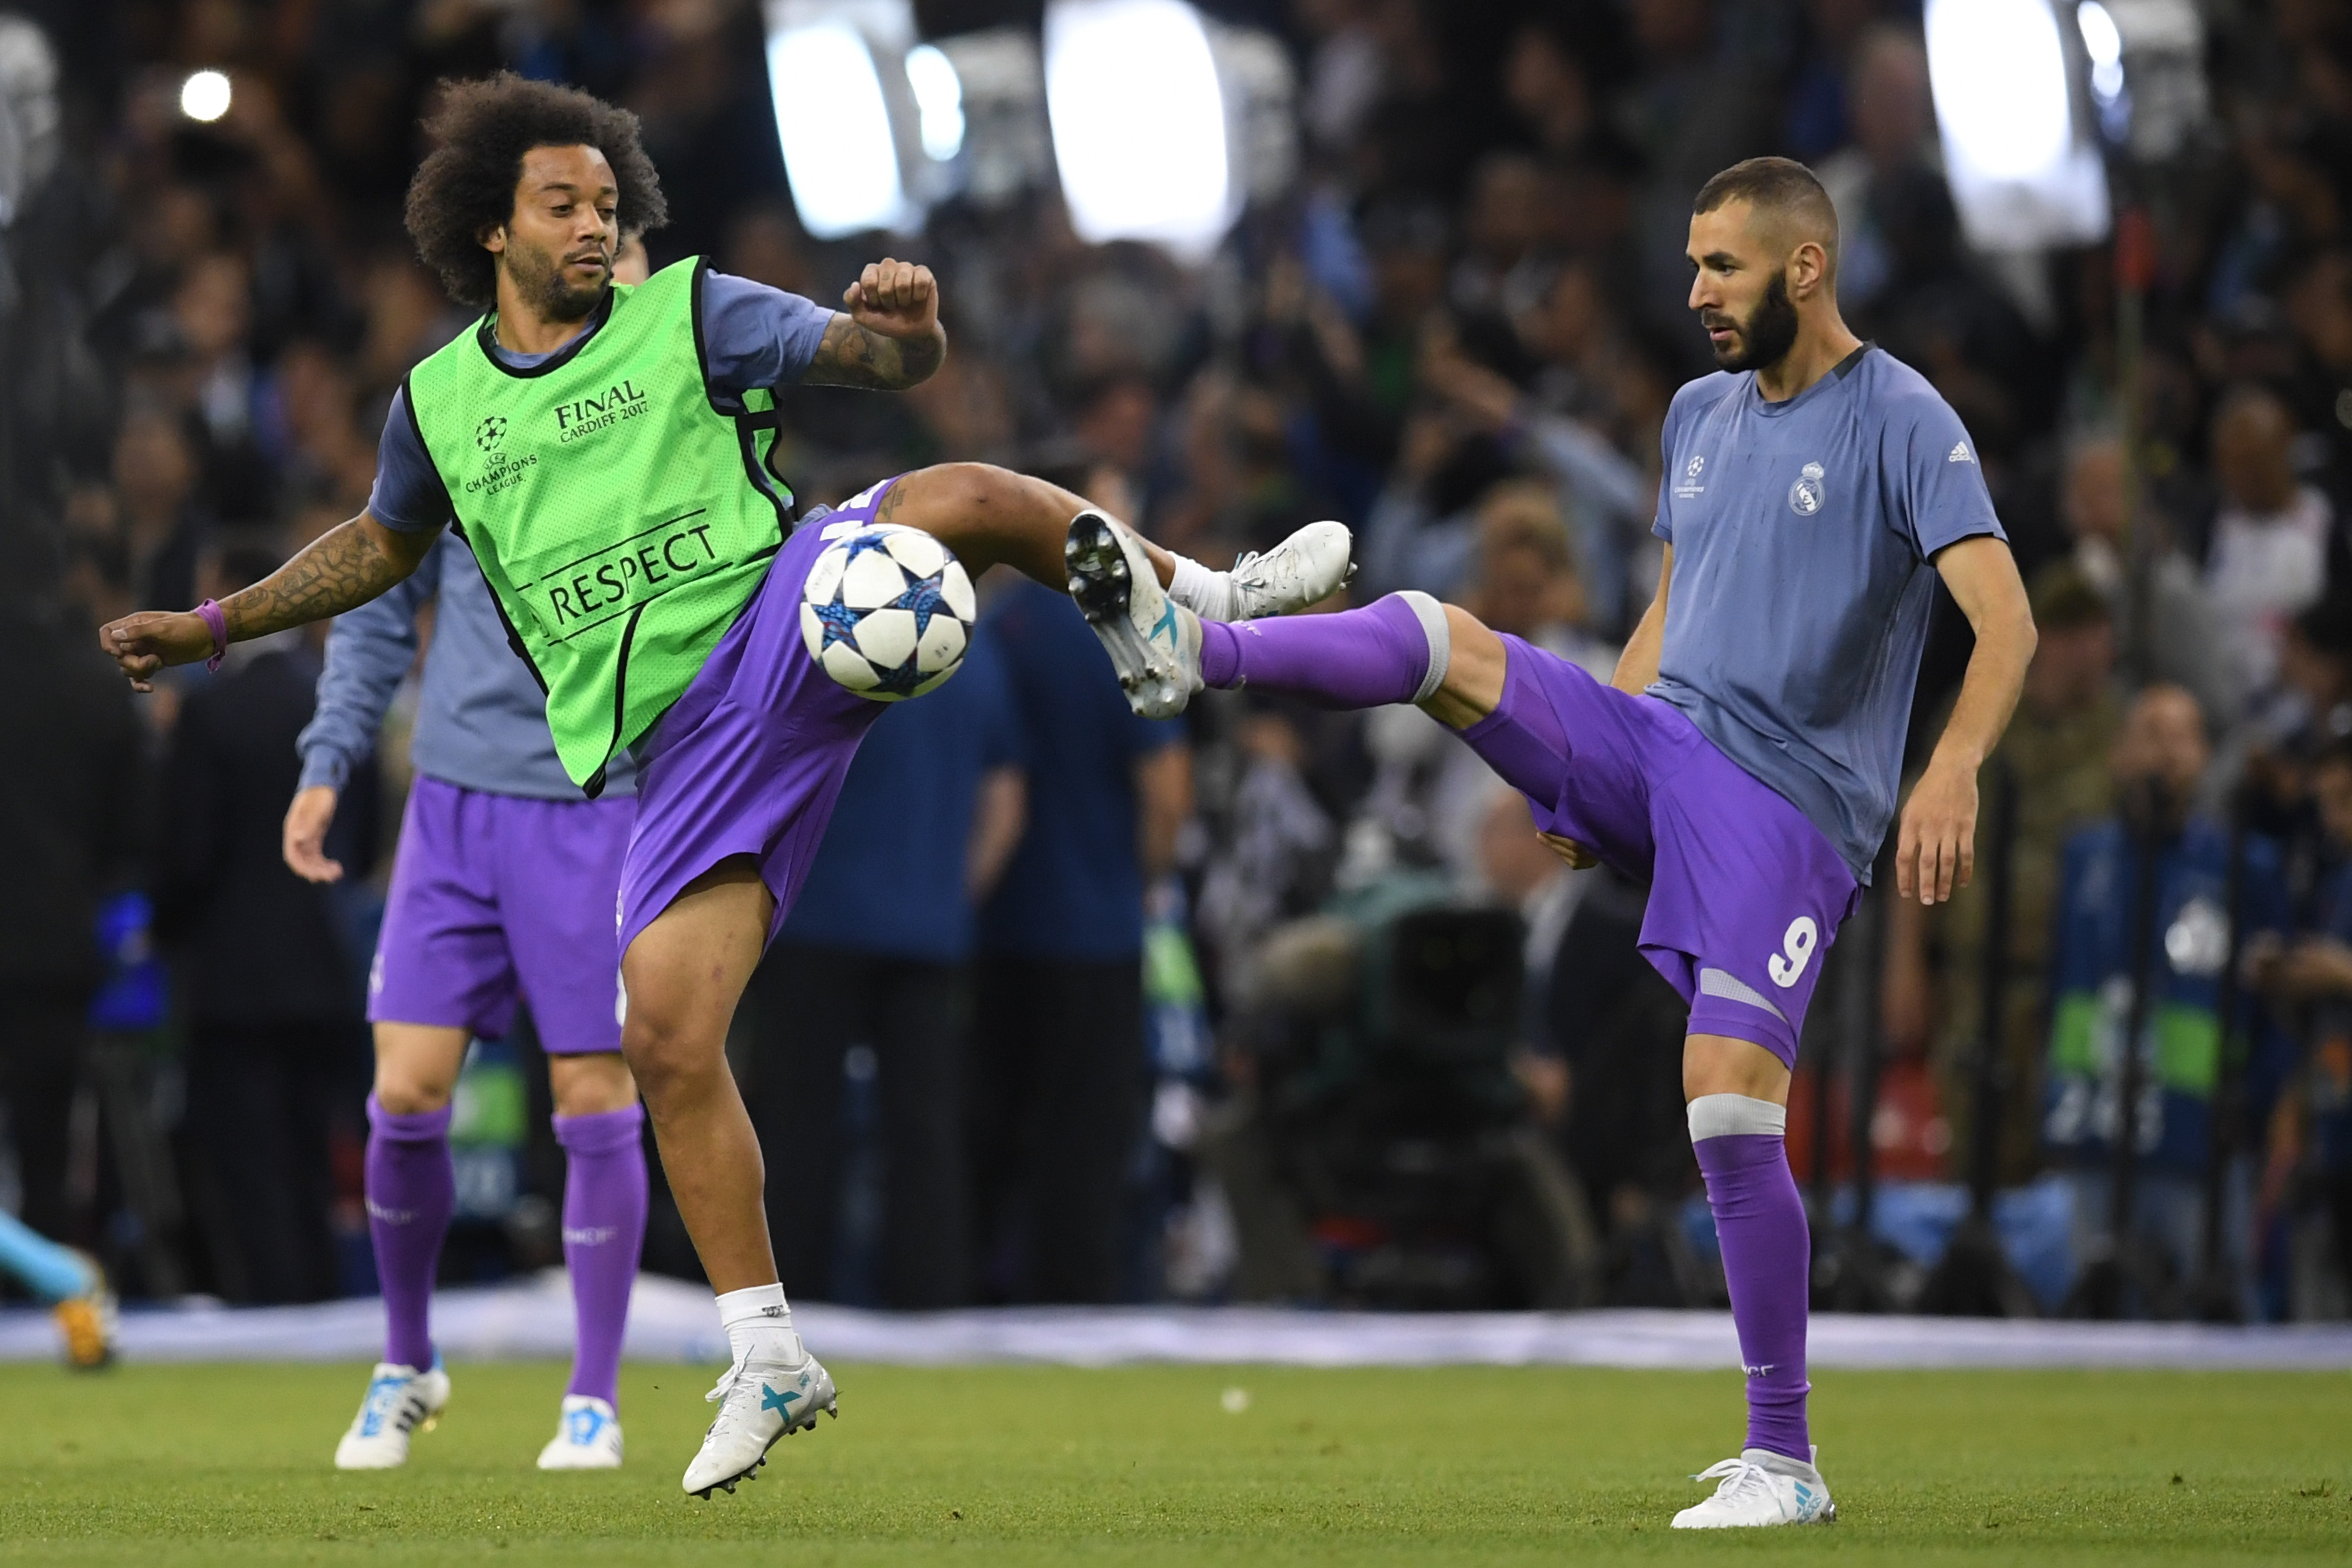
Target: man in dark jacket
[[1057, 1094], [267, 984], [68, 810]]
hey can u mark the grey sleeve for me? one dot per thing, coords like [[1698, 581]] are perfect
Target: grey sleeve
[[368, 651], [408, 497], [1944, 493], [755, 337]]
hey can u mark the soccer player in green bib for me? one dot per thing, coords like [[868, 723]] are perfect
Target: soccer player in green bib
[[604, 450]]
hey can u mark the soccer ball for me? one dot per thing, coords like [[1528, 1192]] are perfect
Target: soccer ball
[[888, 611]]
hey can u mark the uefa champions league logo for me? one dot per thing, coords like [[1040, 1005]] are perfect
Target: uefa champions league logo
[[1690, 489], [490, 432], [1805, 496]]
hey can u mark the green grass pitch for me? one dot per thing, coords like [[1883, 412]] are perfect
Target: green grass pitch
[[155, 1465]]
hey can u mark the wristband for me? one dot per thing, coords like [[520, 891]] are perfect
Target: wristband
[[219, 622]]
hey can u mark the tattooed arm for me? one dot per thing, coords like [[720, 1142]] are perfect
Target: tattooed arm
[[888, 338], [343, 569]]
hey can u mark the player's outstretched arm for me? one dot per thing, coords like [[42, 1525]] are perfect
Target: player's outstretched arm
[[888, 337], [1935, 849], [341, 570]]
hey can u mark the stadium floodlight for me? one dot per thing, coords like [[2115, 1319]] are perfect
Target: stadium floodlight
[[2147, 73], [1139, 124], [1000, 96], [205, 96], [834, 125], [845, 112], [938, 99], [2023, 174], [2105, 43]]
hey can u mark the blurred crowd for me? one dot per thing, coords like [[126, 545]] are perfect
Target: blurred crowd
[[1272, 1003]]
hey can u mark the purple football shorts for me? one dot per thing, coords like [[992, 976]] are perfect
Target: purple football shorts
[[1745, 892], [497, 898], [751, 758]]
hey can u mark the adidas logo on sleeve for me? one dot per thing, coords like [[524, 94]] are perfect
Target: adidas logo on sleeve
[[1961, 453]]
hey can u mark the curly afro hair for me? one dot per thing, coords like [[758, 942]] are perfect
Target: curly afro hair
[[480, 132]]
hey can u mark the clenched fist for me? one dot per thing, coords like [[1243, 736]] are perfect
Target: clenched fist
[[142, 644], [896, 298]]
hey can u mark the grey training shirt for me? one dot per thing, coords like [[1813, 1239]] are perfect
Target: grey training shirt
[[1802, 533], [481, 720]]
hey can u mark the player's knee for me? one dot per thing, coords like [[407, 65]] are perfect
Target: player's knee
[[591, 1084], [956, 491], [1475, 664], [1719, 1064], [416, 1067], [404, 1091], [664, 1055]]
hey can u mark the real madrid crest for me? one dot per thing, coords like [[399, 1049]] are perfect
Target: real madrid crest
[[1805, 496]]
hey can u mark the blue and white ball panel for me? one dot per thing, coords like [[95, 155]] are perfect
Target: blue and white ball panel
[[888, 611]]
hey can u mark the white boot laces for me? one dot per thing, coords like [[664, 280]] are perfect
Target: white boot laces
[[1739, 1478], [738, 1370]]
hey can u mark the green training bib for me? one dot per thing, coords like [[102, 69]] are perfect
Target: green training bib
[[622, 511]]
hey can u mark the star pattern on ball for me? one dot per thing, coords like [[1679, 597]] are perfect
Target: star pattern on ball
[[924, 595], [888, 613], [840, 621]]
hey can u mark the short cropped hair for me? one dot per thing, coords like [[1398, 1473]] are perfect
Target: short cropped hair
[[2063, 598], [1781, 186], [1524, 514], [481, 132]]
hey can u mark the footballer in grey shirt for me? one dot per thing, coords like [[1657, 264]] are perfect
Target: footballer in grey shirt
[[1744, 760]]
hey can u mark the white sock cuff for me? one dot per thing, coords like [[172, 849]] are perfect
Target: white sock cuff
[[759, 1304], [1736, 1115], [1207, 593], [1432, 616]]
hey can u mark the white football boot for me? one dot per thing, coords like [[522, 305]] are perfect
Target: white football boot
[[400, 1401], [587, 1437], [759, 1401], [1761, 1487], [1154, 642], [1304, 569]]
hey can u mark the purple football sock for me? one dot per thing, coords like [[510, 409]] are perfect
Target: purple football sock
[[410, 1192], [1387, 652], [1760, 1222], [604, 1236]]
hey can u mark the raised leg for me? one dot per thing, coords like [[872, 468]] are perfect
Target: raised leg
[[1405, 648], [989, 515]]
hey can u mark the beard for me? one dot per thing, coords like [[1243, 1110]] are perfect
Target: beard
[[1768, 334], [539, 278]]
